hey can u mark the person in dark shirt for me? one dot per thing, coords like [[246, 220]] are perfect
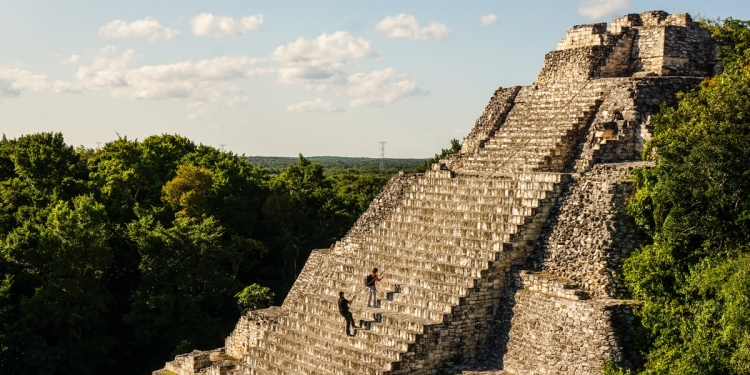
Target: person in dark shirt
[[344, 311]]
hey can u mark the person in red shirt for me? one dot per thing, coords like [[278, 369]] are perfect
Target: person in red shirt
[[372, 299]]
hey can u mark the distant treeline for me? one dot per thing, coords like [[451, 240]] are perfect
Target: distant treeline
[[335, 164]]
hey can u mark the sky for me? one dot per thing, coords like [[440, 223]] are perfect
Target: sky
[[278, 78]]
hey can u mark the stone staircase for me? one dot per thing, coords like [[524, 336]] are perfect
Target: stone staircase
[[434, 249], [541, 132]]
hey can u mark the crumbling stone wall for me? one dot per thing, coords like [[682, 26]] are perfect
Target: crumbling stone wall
[[554, 335], [672, 45], [492, 117], [622, 125], [591, 233], [572, 65], [249, 330], [383, 203]]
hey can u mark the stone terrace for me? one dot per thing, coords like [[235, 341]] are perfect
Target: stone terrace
[[503, 259]]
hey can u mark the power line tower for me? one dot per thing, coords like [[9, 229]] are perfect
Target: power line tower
[[222, 146], [382, 153]]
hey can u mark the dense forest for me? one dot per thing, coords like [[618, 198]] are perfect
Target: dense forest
[[114, 259], [694, 275]]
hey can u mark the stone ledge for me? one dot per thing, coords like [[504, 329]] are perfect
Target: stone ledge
[[249, 329], [547, 283], [213, 362]]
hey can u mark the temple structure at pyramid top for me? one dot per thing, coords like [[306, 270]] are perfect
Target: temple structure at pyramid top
[[504, 258]]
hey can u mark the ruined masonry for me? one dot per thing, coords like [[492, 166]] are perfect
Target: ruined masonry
[[505, 258]]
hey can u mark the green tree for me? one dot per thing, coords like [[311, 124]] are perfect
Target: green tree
[[52, 268], [189, 190], [454, 149], [733, 37], [186, 287], [254, 297]]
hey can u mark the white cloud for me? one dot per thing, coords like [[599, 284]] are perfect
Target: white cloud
[[406, 26], [320, 62], [317, 105], [147, 28], [206, 24], [378, 88], [321, 65], [488, 19], [596, 9], [205, 84], [13, 81], [72, 59]]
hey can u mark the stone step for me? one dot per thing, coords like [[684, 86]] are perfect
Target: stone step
[[417, 267], [299, 337], [388, 285], [555, 177], [316, 357], [264, 360], [511, 180], [387, 288], [431, 215], [503, 198], [463, 185], [380, 260], [426, 275], [422, 215], [406, 240], [477, 201], [393, 279], [446, 235], [396, 338], [469, 228], [324, 307], [420, 256], [391, 341], [483, 209], [433, 311], [484, 204]]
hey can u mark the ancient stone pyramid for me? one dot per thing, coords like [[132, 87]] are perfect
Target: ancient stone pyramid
[[504, 258]]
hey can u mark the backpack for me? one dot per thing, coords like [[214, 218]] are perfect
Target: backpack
[[368, 280]]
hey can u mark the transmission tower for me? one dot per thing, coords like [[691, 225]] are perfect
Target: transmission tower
[[382, 153], [222, 146]]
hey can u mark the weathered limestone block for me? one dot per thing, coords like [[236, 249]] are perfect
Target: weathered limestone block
[[672, 45], [586, 36], [553, 335], [492, 117], [622, 124], [249, 330], [547, 283], [383, 203], [590, 234], [198, 362]]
